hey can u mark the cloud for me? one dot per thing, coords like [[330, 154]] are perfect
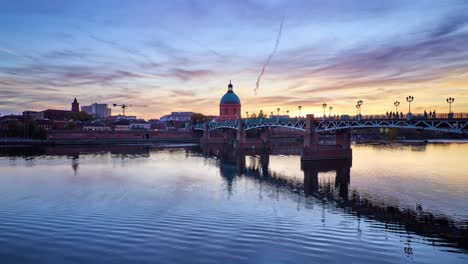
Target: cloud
[[7, 51], [179, 92], [186, 75], [420, 60], [67, 76]]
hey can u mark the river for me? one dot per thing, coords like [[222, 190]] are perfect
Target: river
[[394, 203]]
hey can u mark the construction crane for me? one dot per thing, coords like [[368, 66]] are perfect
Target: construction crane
[[123, 106]]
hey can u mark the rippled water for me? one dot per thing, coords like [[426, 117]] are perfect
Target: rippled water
[[145, 204]]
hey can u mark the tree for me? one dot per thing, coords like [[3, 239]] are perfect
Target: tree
[[82, 116], [261, 114], [253, 115], [71, 125], [198, 118]]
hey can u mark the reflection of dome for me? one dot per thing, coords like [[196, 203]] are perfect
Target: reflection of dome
[[230, 97]]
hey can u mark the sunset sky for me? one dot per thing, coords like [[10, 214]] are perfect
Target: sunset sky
[[163, 56]]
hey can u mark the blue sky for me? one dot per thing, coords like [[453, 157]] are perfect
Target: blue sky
[[163, 56]]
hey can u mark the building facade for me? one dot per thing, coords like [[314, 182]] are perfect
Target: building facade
[[87, 108], [97, 110], [230, 105]]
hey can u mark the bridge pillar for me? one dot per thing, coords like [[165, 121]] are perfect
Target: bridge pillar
[[240, 162], [206, 133], [310, 136], [265, 135], [241, 137], [310, 179], [343, 139], [342, 180], [226, 135], [265, 163]]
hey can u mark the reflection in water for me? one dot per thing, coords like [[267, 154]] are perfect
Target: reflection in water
[[233, 164], [147, 203]]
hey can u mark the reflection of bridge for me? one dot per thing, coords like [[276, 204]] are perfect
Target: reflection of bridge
[[312, 127], [233, 165]]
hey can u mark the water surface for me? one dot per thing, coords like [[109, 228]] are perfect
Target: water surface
[[395, 203]]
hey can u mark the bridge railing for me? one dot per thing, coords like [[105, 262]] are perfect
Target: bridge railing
[[400, 116], [251, 121]]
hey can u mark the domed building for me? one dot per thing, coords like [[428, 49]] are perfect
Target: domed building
[[230, 105]]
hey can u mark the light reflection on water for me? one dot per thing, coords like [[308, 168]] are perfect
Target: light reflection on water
[[395, 203]]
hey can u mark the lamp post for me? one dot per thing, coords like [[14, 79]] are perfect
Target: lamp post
[[246, 114], [331, 109], [358, 109], [299, 108], [278, 110], [324, 105], [359, 103], [409, 99], [396, 104], [287, 113], [450, 100]]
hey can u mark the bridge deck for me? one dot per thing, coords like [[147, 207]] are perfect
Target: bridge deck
[[451, 125]]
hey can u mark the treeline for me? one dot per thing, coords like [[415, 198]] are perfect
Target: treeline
[[26, 129]]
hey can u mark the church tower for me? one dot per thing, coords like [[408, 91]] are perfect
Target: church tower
[[75, 106]]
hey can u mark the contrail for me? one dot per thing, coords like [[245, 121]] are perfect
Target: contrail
[[278, 38]]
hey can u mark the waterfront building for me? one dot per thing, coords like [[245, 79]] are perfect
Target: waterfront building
[[96, 126], [31, 114], [121, 125], [230, 105], [140, 126], [176, 120], [45, 124], [120, 117], [177, 117], [54, 114]]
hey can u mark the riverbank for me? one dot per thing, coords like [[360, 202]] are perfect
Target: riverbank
[[51, 142]]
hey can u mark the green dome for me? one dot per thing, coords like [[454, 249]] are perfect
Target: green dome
[[230, 97]]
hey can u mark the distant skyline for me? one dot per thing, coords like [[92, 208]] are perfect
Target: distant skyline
[[164, 56]]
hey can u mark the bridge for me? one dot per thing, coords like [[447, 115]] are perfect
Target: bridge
[[312, 127], [322, 125]]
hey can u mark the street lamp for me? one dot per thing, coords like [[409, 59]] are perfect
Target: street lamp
[[330, 108], [359, 108], [396, 104], [324, 105], [409, 99], [450, 100], [247, 114], [299, 108], [278, 110], [287, 113]]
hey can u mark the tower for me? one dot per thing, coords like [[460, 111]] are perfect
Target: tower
[[75, 106], [230, 105]]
